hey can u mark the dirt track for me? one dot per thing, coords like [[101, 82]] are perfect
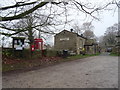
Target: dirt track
[[93, 72]]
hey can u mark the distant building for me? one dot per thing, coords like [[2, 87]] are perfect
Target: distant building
[[91, 47], [117, 46], [70, 41]]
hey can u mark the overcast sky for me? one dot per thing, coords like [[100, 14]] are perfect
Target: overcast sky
[[107, 18]]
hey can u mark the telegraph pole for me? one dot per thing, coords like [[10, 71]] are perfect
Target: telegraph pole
[[118, 37], [118, 34]]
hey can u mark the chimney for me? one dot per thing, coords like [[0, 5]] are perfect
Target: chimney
[[82, 35], [71, 30]]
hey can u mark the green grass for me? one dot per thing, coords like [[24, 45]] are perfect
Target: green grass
[[78, 57], [9, 67], [114, 54]]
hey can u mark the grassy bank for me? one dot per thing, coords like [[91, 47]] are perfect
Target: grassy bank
[[114, 54], [79, 57], [40, 62]]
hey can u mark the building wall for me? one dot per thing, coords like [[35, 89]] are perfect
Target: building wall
[[92, 49], [66, 40], [80, 44]]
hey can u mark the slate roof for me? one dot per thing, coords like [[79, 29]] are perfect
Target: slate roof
[[72, 33]]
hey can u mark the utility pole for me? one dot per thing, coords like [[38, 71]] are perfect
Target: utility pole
[[118, 36], [118, 15]]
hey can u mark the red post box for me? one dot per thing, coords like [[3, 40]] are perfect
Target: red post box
[[32, 48]]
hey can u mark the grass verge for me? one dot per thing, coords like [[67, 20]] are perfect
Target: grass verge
[[114, 54], [79, 57]]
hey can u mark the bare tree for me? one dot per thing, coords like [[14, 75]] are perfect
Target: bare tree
[[17, 13], [110, 35], [87, 26], [11, 14], [77, 29], [4, 42], [89, 34], [88, 30], [30, 26]]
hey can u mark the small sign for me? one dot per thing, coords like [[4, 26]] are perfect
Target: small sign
[[18, 43], [64, 39], [19, 48]]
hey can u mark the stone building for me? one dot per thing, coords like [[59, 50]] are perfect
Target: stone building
[[91, 47], [68, 40]]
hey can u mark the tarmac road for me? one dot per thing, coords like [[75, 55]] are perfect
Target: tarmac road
[[93, 72]]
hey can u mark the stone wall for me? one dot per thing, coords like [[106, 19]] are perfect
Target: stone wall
[[65, 41], [71, 41], [80, 44]]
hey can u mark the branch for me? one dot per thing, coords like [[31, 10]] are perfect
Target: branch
[[19, 16], [85, 11], [44, 31], [98, 9], [6, 34], [10, 29], [16, 5]]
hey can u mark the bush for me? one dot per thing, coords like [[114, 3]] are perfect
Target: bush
[[37, 54], [26, 53], [7, 52], [51, 53]]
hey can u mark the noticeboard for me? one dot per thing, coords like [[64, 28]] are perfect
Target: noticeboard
[[18, 43]]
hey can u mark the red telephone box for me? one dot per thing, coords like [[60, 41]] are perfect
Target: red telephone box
[[38, 43]]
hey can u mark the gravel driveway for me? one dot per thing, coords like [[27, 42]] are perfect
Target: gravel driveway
[[93, 72]]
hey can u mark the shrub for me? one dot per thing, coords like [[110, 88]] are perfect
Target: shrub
[[26, 53], [51, 53], [7, 52]]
